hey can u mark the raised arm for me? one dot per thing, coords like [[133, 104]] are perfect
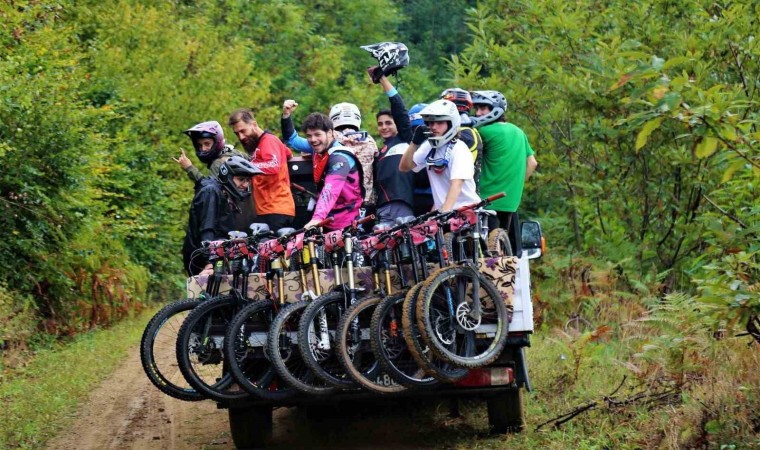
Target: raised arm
[[289, 135], [398, 110]]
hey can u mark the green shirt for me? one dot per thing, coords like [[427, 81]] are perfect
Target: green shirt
[[505, 159]]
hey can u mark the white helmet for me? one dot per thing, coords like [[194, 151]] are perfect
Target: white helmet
[[442, 111], [344, 114]]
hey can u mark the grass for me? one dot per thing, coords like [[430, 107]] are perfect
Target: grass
[[38, 398], [715, 410]]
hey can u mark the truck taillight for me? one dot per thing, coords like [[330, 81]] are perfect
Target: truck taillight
[[490, 376]]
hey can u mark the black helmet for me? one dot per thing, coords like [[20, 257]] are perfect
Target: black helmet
[[236, 166], [495, 100], [391, 56]]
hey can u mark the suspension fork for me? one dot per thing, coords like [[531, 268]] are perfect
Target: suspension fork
[[407, 240], [324, 332], [278, 272], [314, 269], [349, 246], [386, 266]]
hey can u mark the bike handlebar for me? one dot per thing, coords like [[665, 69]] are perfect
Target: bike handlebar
[[300, 188], [292, 234], [495, 197], [362, 221]]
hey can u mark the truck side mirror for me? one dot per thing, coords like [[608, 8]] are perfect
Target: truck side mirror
[[533, 243]]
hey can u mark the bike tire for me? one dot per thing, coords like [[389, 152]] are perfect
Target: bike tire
[[161, 332], [201, 358], [355, 350], [498, 243], [440, 330], [429, 362], [324, 362], [282, 345], [246, 351], [390, 348]]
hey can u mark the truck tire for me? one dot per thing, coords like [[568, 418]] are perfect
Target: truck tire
[[251, 428], [506, 413]]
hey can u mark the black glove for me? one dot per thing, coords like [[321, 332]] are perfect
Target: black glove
[[420, 135], [375, 73]]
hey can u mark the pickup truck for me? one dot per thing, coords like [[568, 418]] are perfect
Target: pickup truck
[[501, 384]]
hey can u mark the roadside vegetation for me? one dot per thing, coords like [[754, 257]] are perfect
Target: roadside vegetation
[[644, 118], [39, 397]]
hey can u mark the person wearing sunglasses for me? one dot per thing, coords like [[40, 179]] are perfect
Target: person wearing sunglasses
[[436, 148]]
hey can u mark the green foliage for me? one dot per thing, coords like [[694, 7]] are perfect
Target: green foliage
[[646, 132], [95, 97]]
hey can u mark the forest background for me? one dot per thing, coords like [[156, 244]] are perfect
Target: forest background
[[644, 118]]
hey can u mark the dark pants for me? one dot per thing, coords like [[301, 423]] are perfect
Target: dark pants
[[275, 221], [388, 212], [510, 222], [423, 203]]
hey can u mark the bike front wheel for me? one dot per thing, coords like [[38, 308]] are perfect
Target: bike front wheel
[[462, 317], [282, 344], [355, 350], [245, 347], [317, 334], [159, 360], [200, 350]]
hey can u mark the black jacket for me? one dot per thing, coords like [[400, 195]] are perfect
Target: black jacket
[[390, 183], [211, 217]]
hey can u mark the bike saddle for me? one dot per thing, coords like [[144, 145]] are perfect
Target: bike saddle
[[259, 228], [405, 219], [488, 212], [283, 231]]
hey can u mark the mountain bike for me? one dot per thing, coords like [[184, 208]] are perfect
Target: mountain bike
[[460, 313], [159, 339], [317, 329], [200, 342]]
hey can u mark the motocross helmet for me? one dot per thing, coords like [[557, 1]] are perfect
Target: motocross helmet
[[346, 114], [236, 166], [495, 100], [391, 56], [460, 97], [442, 111], [415, 119], [211, 130]]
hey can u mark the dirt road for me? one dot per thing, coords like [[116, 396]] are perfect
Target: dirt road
[[127, 412]]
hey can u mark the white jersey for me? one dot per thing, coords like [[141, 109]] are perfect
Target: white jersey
[[460, 167]]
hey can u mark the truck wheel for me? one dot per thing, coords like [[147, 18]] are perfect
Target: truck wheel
[[506, 412], [251, 428]]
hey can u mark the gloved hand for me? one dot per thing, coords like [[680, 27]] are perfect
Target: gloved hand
[[375, 73], [420, 135]]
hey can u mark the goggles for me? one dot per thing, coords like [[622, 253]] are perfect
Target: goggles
[[438, 164]]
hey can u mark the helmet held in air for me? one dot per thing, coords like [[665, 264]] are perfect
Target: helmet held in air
[[391, 56]]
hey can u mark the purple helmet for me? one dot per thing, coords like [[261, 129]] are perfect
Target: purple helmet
[[210, 130]]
